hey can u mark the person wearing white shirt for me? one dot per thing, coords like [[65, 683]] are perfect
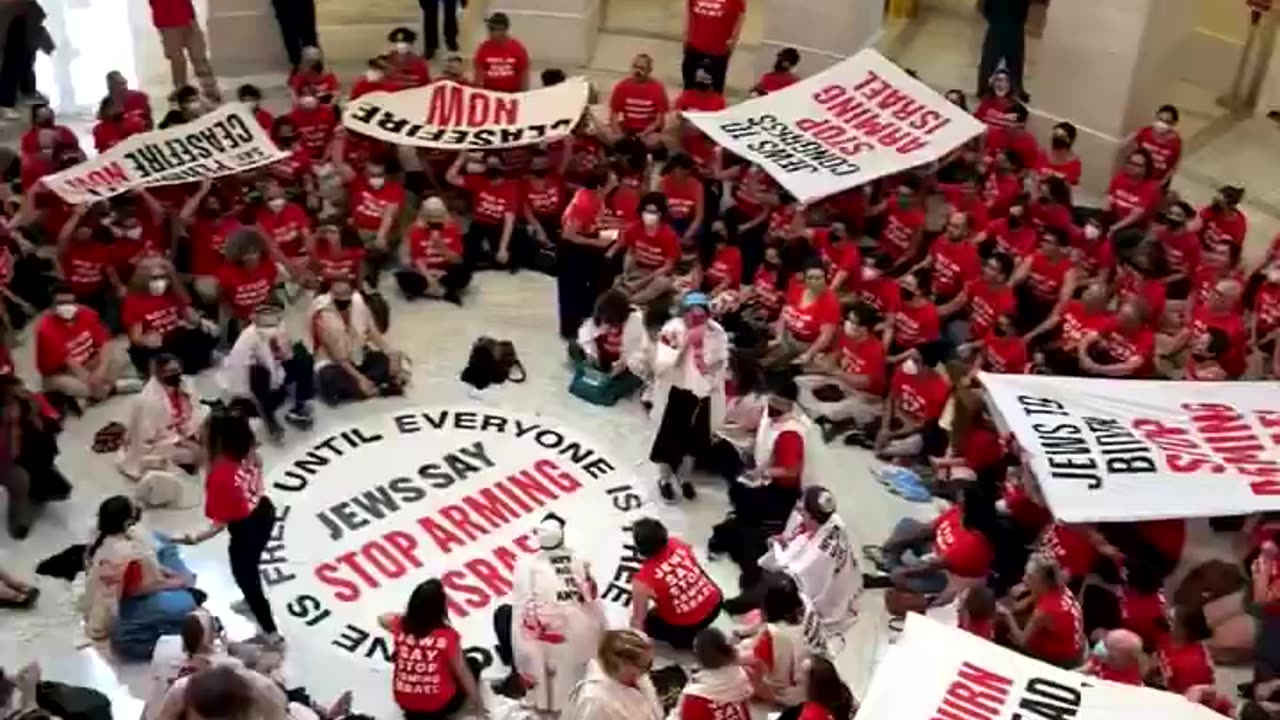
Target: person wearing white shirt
[[265, 366]]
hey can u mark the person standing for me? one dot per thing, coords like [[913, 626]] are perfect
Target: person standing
[[297, 20], [1005, 42], [22, 34], [710, 35], [431, 10], [236, 501], [182, 38], [501, 61]]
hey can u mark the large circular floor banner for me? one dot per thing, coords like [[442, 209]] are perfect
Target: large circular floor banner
[[374, 509]]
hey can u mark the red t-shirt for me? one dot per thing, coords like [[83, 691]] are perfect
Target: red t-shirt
[[159, 314], [292, 169], [697, 707], [1022, 143], [137, 108], [1047, 276], [1165, 150], [638, 104], [1122, 344], [881, 293], [59, 341], [955, 265], [265, 119], [321, 83], [407, 71], [1030, 515], [694, 141], [286, 228], [584, 212], [805, 322], [1150, 291], [914, 325], [1146, 615], [84, 265], [492, 201], [1094, 257], [985, 629], [1131, 675], [244, 289], [994, 110], [1183, 666], [682, 592], [775, 81], [1070, 547], [422, 249], [1060, 638], [333, 262], [1182, 250], [900, 228], [710, 24], [1069, 170], [1221, 227], [369, 204], [315, 128], [422, 676], [172, 13], [682, 197], [986, 303], [765, 287], [788, 454], [1230, 323], [546, 201], [814, 711], [501, 65], [726, 268], [651, 251], [866, 358], [966, 553], [208, 237], [920, 397], [999, 191], [107, 134], [1126, 194], [232, 489], [1005, 354], [1266, 306], [1077, 321]]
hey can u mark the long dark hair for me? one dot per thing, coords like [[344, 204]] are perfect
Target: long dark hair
[[114, 516], [229, 434], [427, 609], [827, 689]]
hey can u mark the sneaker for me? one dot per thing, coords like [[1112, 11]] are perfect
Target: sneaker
[[688, 490], [300, 417], [241, 607], [510, 686], [876, 582], [667, 489], [128, 386], [268, 641]]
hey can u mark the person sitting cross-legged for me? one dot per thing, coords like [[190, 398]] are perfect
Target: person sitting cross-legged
[[75, 354], [267, 366], [353, 359], [433, 258]]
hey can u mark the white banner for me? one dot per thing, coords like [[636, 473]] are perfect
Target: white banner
[[1112, 450], [449, 116], [853, 122], [937, 671], [224, 141]]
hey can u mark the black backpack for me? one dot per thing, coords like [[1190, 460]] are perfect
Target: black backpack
[[492, 362]]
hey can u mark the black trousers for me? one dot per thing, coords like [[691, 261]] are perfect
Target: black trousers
[[192, 346], [297, 19], [299, 377], [679, 637], [502, 631], [685, 429], [717, 65], [249, 537], [578, 283], [337, 386], [480, 246], [17, 67], [431, 10], [1003, 41], [414, 284]]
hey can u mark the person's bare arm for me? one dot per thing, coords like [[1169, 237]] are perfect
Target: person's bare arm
[[453, 175], [1021, 272], [462, 673], [192, 205], [504, 242], [389, 216], [639, 604], [955, 304]]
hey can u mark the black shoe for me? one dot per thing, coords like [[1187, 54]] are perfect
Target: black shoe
[[876, 582], [738, 605], [198, 595], [688, 490], [510, 686], [391, 389], [451, 45], [858, 439], [453, 296], [668, 490]]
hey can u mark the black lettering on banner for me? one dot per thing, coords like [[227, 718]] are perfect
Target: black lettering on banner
[[1045, 699], [392, 124], [358, 641], [363, 114], [308, 609], [240, 132]]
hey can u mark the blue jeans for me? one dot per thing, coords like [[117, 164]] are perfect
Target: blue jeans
[[144, 618], [903, 540]]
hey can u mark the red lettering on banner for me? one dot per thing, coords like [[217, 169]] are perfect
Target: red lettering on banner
[[1221, 439], [110, 175], [477, 110], [873, 113], [505, 110], [454, 526], [454, 106], [976, 694], [445, 109]]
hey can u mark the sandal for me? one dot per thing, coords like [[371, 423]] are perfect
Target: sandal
[[875, 555]]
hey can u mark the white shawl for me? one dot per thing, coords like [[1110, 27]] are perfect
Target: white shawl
[[253, 347], [354, 332], [600, 697], [152, 435], [823, 566], [674, 366], [729, 684]]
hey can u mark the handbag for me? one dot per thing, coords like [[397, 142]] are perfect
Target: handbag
[[492, 362], [594, 385]]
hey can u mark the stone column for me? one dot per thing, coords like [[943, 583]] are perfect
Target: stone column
[[1106, 65], [555, 32], [824, 31], [244, 38]]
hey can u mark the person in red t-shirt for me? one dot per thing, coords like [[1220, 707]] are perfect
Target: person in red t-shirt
[[672, 597], [1121, 659], [374, 201], [764, 494], [722, 688], [181, 38], [1060, 160], [73, 354], [724, 272], [710, 36], [544, 196], [374, 79], [1182, 249], [638, 105], [246, 280], [917, 394], [495, 200], [311, 72], [432, 259], [1044, 282], [1015, 139], [686, 196], [952, 551], [1183, 662], [827, 697], [315, 122], [1161, 142], [652, 248], [338, 253], [1003, 351], [1221, 222], [501, 62], [445, 686], [997, 102], [1054, 632], [285, 224], [1134, 192], [915, 324], [1121, 347], [701, 96], [87, 260], [954, 264], [251, 95], [809, 322], [405, 68], [236, 500], [977, 613], [113, 125], [989, 296], [903, 230], [159, 319], [781, 76], [135, 104]]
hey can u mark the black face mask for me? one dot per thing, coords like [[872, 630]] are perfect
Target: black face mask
[[1015, 221], [435, 226], [173, 380], [540, 172], [115, 117], [1001, 330], [493, 173], [1061, 143], [909, 295], [285, 141], [44, 122], [317, 66], [702, 85], [342, 303]]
